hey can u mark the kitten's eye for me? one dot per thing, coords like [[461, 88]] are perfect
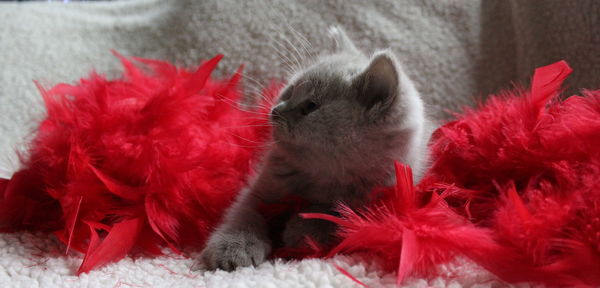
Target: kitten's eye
[[308, 107]]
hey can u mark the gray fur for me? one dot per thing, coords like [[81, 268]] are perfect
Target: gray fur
[[338, 127]]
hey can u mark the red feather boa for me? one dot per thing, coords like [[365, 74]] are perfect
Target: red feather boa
[[147, 160], [513, 186], [155, 158]]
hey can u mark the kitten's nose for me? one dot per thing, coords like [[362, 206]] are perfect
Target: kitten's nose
[[277, 113]]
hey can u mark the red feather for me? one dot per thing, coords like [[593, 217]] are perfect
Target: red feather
[[513, 186], [3, 185], [408, 255], [151, 159], [119, 241], [343, 271]]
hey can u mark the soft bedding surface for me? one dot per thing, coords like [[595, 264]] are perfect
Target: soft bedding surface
[[455, 51]]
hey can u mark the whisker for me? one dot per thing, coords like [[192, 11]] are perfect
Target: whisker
[[245, 126], [287, 61], [260, 105], [258, 118], [254, 81], [291, 70], [299, 59], [249, 146], [237, 106], [306, 45], [245, 139], [260, 93], [298, 37], [262, 144], [284, 46]]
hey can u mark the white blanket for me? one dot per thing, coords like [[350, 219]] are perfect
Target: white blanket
[[28, 260], [454, 50]]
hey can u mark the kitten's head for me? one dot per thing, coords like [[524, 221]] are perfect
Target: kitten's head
[[330, 101], [345, 101]]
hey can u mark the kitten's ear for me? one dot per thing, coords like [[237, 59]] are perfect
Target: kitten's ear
[[342, 41], [377, 85]]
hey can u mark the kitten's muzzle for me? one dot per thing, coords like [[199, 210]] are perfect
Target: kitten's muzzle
[[277, 115], [280, 118], [282, 113]]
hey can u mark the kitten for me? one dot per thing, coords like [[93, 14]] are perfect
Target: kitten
[[338, 127]]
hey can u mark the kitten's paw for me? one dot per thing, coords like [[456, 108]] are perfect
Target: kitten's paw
[[229, 250]]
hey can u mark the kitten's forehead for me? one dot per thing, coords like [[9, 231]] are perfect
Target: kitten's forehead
[[318, 84], [337, 68]]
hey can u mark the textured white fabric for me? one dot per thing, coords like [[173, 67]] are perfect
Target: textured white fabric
[[454, 50], [28, 260]]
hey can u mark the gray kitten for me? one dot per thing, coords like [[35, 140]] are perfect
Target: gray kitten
[[338, 127]]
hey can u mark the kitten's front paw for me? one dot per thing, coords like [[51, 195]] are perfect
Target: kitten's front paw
[[229, 250]]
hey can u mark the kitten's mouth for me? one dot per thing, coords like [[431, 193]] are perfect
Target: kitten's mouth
[[282, 126], [276, 117], [280, 123]]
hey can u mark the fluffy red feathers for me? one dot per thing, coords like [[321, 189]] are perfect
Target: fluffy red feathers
[[513, 186], [526, 166], [153, 159], [149, 160]]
